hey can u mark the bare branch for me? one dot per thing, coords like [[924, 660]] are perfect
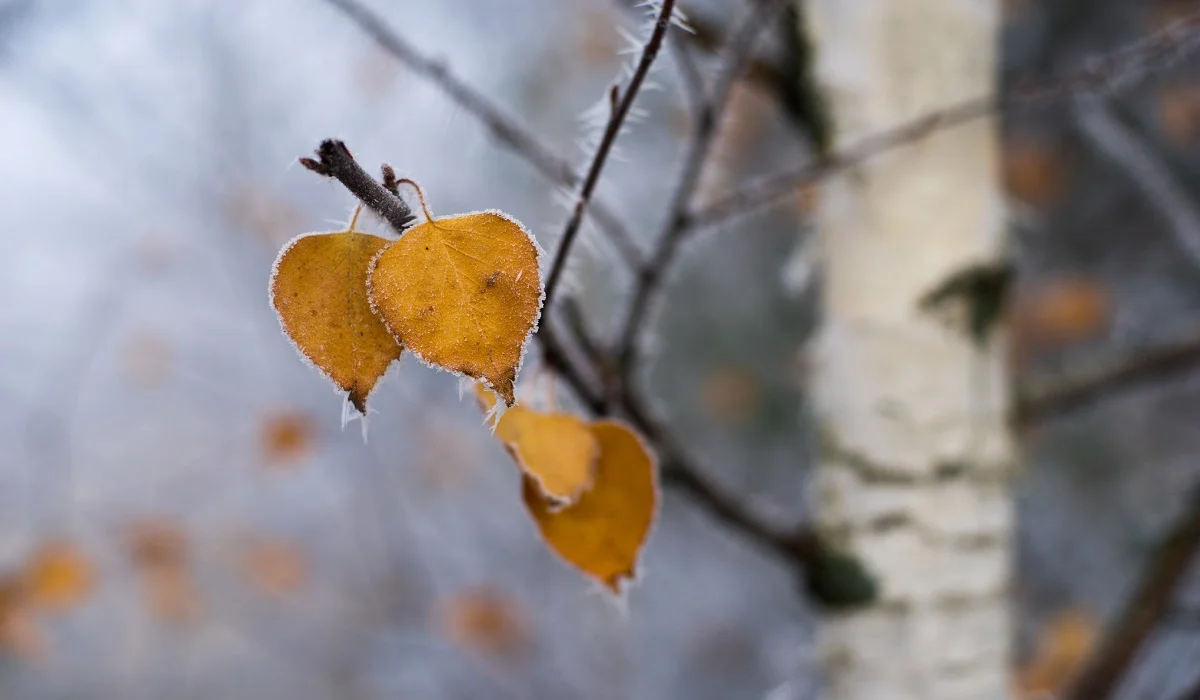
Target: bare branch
[[503, 128], [1041, 398], [650, 277], [795, 546], [1121, 145], [1191, 693], [611, 130], [689, 72], [1145, 610], [1106, 74], [334, 160], [707, 35]]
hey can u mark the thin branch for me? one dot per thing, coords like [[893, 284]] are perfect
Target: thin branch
[[689, 72], [1122, 146], [1191, 693], [1106, 74], [796, 546], [651, 276], [506, 130], [1040, 398], [707, 35], [1145, 610], [611, 130], [334, 160], [1185, 616], [573, 315]]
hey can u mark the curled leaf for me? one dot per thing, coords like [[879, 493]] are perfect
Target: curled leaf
[[603, 532], [464, 293], [319, 290], [557, 450]]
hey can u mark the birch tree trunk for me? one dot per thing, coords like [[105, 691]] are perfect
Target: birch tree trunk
[[915, 455]]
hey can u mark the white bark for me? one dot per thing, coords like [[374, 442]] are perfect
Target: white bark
[[915, 455]]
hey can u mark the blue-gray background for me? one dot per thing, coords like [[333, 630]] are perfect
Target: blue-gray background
[[147, 181]]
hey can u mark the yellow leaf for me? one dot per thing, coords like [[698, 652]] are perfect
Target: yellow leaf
[[1179, 112], [275, 568], [319, 290], [20, 634], [171, 595], [463, 293], [156, 544], [557, 450], [57, 577], [159, 551], [484, 620], [603, 532], [287, 436], [1054, 314], [1065, 644], [1034, 171]]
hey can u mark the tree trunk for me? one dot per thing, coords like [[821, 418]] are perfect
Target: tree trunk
[[915, 455]]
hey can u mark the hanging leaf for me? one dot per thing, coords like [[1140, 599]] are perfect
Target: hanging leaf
[[318, 288], [1063, 646], [287, 436], [20, 633], [484, 620], [603, 532], [1055, 314], [463, 293], [277, 569], [1034, 170], [57, 577], [159, 550], [557, 450], [1179, 112]]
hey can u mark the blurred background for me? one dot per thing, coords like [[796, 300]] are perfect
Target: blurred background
[[200, 526]]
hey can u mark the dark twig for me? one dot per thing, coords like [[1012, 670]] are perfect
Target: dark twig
[[678, 471], [611, 130], [1184, 616], [1041, 398], [707, 36], [390, 183], [573, 315], [1191, 693], [689, 72], [1145, 610], [504, 129], [1106, 74], [650, 277], [334, 160]]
